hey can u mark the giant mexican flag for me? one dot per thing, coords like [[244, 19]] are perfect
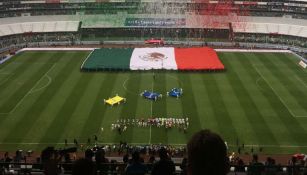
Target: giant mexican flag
[[170, 58]]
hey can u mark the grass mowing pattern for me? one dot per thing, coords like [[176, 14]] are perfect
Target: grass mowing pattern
[[259, 100]]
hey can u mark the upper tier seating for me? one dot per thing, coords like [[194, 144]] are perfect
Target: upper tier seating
[[38, 27], [270, 28]]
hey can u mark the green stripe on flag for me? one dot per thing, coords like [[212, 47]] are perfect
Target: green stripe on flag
[[109, 58]]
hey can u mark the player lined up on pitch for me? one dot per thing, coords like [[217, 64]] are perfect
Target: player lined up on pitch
[[123, 124]]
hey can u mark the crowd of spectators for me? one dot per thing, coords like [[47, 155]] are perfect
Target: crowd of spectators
[[271, 38], [139, 34], [209, 144], [37, 38], [150, 149], [145, 33], [35, 9], [206, 154]]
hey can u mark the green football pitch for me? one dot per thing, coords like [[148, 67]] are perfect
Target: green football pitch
[[260, 100]]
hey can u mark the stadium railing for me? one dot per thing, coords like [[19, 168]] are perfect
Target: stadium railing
[[119, 168]]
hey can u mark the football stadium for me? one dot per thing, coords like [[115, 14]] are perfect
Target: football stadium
[[153, 87]]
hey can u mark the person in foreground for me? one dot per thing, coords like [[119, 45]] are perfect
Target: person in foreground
[[83, 167], [165, 166], [136, 167], [207, 154]]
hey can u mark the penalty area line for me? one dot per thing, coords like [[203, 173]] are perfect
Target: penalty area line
[[30, 91], [300, 80], [49, 82], [88, 56], [126, 89], [7, 78], [282, 101]]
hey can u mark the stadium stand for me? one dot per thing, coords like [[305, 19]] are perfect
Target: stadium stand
[[114, 160], [39, 27], [269, 28], [27, 22]]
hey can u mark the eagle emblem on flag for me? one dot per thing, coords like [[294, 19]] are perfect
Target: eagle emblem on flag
[[153, 56]]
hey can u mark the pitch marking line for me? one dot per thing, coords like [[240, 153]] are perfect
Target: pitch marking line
[[29, 92], [7, 78], [152, 87], [151, 104], [300, 80], [47, 84], [258, 85], [124, 86], [88, 56], [283, 102]]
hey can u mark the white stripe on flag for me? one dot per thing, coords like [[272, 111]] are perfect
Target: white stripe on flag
[[153, 58]]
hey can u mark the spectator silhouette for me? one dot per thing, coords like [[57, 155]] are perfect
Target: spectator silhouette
[[240, 166], [183, 166], [7, 159], [126, 158], [67, 160], [135, 167], [101, 161], [89, 154], [255, 168], [83, 167], [125, 161], [270, 167], [50, 160], [151, 162], [207, 154], [165, 166]]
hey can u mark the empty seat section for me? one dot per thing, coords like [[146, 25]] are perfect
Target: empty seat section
[[273, 28], [303, 32], [294, 30], [60, 26], [49, 27], [27, 27], [16, 28], [6, 30], [284, 29], [72, 26], [261, 28], [38, 27]]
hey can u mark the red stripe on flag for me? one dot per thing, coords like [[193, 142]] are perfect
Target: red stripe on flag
[[203, 58]]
